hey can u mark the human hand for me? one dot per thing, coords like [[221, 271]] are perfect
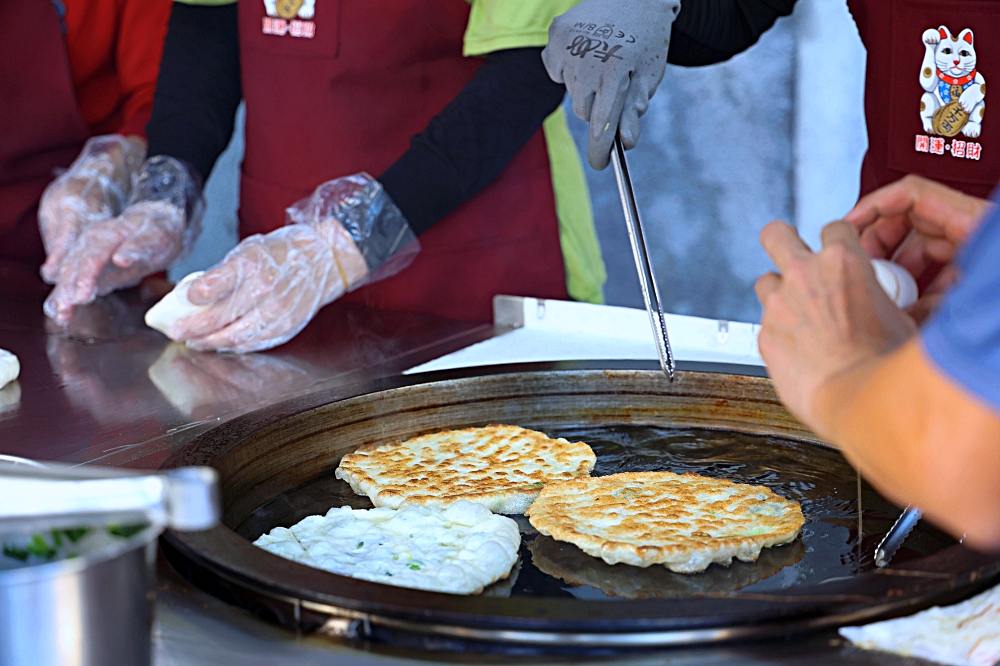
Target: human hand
[[115, 254], [611, 55], [822, 316], [266, 290], [94, 188], [118, 252], [919, 224], [346, 234]]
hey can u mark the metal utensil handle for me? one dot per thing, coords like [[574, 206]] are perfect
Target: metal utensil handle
[[62, 496], [640, 253], [896, 535]]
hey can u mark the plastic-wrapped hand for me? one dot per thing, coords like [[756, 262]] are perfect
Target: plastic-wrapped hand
[[118, 252], [94, 188], [347, 234], [611, 55]]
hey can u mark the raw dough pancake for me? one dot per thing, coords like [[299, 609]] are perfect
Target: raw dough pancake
[[682, 521], [501, 467], [459, 550]]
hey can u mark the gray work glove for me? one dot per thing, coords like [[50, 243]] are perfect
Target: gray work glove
[[611, 55]]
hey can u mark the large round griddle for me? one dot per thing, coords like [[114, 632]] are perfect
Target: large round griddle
[[276, 466]]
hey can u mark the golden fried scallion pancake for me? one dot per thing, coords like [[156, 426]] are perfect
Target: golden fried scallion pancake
[[683, 521], [502, 467]]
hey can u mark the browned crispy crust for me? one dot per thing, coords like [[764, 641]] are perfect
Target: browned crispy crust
[[683, 521], [501, 466], [573, 566]]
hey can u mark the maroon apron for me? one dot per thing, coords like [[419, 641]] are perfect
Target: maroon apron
[[42, 125], [899, 143], [343, 90]]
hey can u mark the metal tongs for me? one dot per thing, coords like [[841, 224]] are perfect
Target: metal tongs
[[39, 498], [896, 535], [640, 253]]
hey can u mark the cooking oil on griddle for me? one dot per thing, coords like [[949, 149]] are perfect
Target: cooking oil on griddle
[[832, 544]]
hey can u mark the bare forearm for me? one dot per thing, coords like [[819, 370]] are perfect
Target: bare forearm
[[874, 413], [920, 439]]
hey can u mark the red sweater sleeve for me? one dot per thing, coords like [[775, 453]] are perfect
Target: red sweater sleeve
[[114, 49]]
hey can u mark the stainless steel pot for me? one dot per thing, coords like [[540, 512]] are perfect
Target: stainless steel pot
[[96, 608], [92, 610]]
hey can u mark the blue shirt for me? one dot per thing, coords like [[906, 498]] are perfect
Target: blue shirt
[[963, 337]]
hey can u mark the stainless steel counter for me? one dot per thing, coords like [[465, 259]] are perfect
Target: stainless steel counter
[[110, 390]]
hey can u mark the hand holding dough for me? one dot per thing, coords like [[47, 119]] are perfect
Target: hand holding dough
[[174, 307], [10, 367], [265, 291]]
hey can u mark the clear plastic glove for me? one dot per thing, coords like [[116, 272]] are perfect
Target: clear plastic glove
[[611, 55], [348, 233], [94, 188], [115, 253]]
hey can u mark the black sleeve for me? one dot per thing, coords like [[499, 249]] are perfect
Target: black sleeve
[[198, 89], [468, 144], [710, 31]]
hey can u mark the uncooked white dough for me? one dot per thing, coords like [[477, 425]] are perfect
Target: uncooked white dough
[[10, 368], [458, 549], [896, 281], [174, 306]]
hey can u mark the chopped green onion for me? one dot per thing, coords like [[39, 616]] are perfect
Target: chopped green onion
[[39, 547], [74, 534], [125, 531]]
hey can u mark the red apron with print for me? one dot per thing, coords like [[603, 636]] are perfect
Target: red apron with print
[[340, 86], [926, 102], [41, 124]]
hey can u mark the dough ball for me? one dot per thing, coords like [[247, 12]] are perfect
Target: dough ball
[[10, 368], [174, 306]]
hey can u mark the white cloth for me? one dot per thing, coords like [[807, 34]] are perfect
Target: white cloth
[[965, 633]]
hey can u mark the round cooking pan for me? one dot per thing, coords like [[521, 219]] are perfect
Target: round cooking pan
[[276, 466]]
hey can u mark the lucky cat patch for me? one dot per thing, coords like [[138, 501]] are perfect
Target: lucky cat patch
[[954, 99]]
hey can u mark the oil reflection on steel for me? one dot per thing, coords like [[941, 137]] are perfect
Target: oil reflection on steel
[[640, 252]]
